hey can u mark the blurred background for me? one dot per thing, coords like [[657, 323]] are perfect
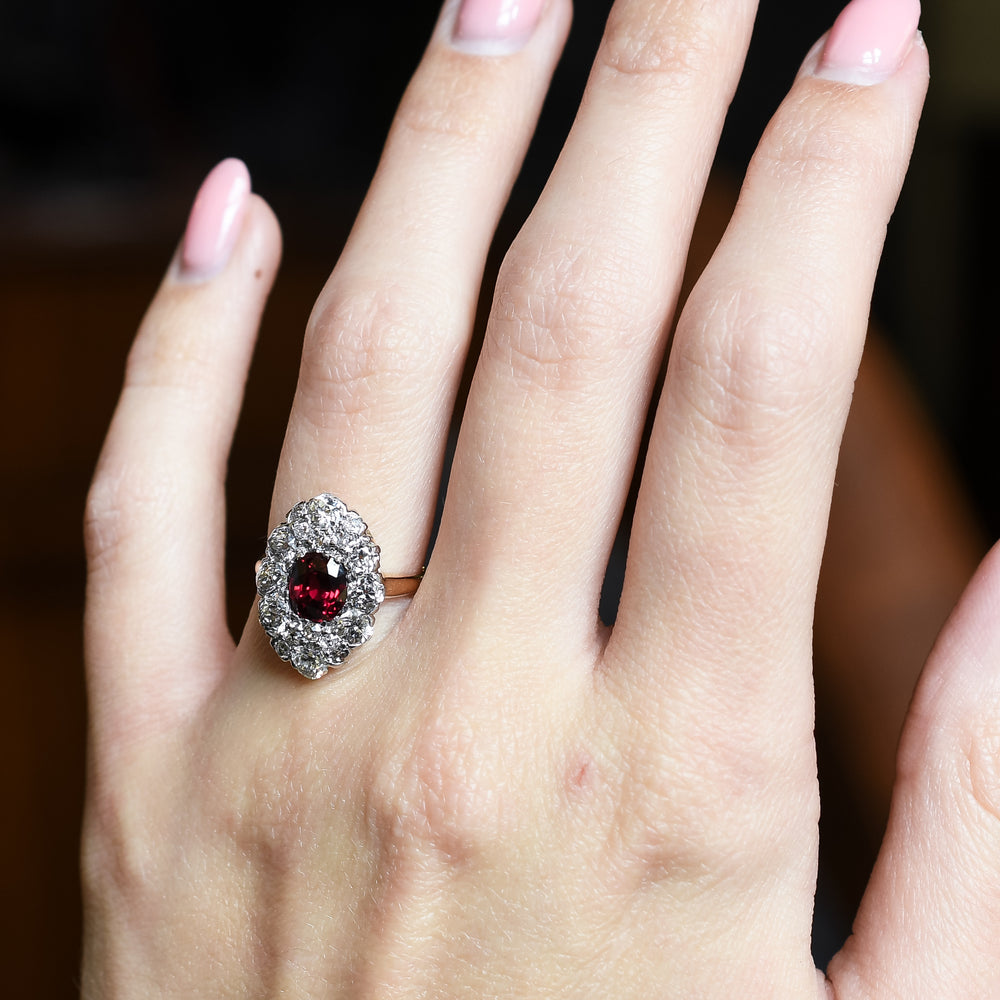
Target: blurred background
[[110, 115]]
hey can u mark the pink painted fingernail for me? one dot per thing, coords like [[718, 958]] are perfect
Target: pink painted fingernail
[[214, 222], [496, 26], [869, 41]]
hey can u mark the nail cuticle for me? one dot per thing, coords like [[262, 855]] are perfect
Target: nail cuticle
[[495, 27], [869, 41]]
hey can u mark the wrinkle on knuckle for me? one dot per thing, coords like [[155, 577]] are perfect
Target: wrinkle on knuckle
[[537, 356], [113, 854], [122, 502], [172, 358], [816, 148], [654, 829], [121, 845], [435, 800], [102, 522], [557, 317], [452, 103], [446, 790], [459, 100], [658, 42], [708, 843], [980, 771], [664, 843], [274, 818], [712, 803], [363, 351], [759, 362]]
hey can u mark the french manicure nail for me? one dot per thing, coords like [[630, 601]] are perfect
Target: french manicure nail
[[496, 26], [869, 41], [214, 222]]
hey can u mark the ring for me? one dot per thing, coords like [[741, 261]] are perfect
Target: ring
[[320, 586]]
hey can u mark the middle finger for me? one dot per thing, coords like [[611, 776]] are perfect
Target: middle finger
[[583, 302]]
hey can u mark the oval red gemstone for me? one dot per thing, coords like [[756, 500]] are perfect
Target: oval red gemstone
[[317, 588]]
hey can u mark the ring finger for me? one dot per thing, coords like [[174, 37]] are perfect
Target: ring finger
[[585, 296], [387, 339]]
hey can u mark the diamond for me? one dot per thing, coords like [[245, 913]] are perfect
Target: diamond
[[368, 595], [284, 646], [355, 627], [279, 541], [302, 531], [271, 616], [335, 650], [365, 555], [311, 659], [310, 667], [268, 579]]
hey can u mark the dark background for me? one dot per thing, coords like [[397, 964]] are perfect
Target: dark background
[[110, 115]]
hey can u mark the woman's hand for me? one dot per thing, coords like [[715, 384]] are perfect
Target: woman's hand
[[500, 797]]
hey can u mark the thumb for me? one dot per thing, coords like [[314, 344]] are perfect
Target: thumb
[[929, 924]]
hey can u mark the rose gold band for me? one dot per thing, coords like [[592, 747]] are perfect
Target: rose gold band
[[401, 586]]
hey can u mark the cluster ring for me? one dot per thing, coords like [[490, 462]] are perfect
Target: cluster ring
[[320, 585]]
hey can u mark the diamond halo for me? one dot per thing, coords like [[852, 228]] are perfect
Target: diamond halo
[[320, 544]]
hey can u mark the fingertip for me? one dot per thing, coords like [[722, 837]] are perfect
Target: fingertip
[[869, 42], [497, 28], [260, 239], [215, 220], [950, 748], [963, 670], [932, 896]]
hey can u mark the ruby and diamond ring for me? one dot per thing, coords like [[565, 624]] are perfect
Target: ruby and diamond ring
[[320, 586]]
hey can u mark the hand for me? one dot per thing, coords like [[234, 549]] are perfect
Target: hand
[[500, 797]]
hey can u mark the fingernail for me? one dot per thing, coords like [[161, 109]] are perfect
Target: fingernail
[[869, 41], [214, 222], [496, 26]]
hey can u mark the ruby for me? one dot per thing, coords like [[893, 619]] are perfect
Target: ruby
[[317, 589]]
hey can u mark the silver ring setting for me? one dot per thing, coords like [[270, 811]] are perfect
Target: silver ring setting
[[319, 585]]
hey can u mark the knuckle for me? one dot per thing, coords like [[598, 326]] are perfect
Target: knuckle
[[980, 770], [121, 500], [537, 355], [815, 146], [272, 813], [102, 521], [557, 317], [712, 826], [443, 789], [760, 361], [117, 851], [173, 356], [950, 750], [452, 101], [431, 800], [362, 349], [715, 798], [646, 41]]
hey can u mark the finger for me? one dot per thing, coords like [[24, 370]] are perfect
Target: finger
[[155, 520], [929, 923], [552, 426], [715, 617], [387, 340]]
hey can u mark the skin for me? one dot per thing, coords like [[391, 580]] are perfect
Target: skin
[[502, 798]]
